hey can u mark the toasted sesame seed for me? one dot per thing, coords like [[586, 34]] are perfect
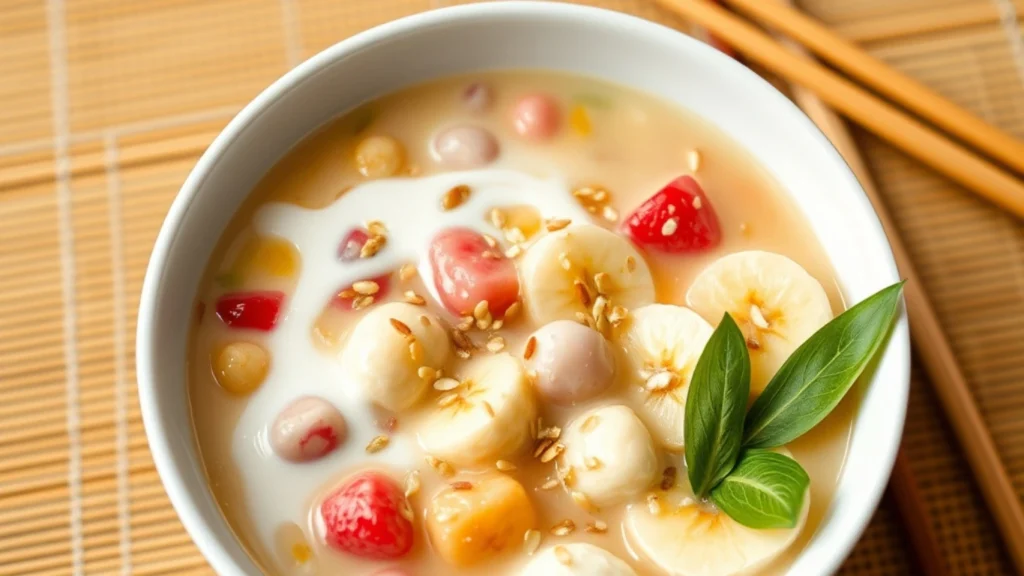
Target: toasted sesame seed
[[669, 227], [603, 282], [498, 218], [553, 432], [362, 302], [515, 235], [454, 197], [496, 344], [491, 240], [584, 192], [415, 351], [513, 251], [378, 443], [562, 555], [601, 195], [376, 228], [366, 287], [446, 384], [426, 373], [567, 475], [592, 462], [618, 314], [600, 306], [582, 293], [424, 320], [531, 541], [610, 214], [412, 483], [481, 310], [484, 323], [443, 468], [402, 327], [549, 484], [405, 510], [504, 465], [512, 310], [462, 353], [448, 399], [757, 317], [693, 159], [531, 347], [488, 408], [543, 445], [462, 485], [497, 324], [414, 298], [465, 323], [556, 224], [563, 528], [753, 343], [406, 272], [630, 263], [347, 294], [654, 503], [589, 424], [563, 259], [372, 246], [596, 527], [668, 478], [552, 452]]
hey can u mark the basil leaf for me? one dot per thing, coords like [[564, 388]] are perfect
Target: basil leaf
[[820, 372], [765, 490], [715, 406]]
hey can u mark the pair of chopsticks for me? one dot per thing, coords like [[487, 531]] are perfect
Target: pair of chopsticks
[[817, 86]]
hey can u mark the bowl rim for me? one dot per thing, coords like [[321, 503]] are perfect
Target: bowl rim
[[154, 419]]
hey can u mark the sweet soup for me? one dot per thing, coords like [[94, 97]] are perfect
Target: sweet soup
[[454, 332]]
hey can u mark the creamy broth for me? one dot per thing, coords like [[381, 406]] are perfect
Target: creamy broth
[[629, 144]]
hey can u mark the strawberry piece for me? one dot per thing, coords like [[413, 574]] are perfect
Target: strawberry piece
[[679, 218], [252, 310], [467, 270], [368, 516], [352, 244]]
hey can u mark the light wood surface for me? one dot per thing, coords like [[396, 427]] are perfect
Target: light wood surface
[[910, 135], [886, 80]]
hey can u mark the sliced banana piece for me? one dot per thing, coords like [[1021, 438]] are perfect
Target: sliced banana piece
[[776, 303], [386, 349], [611, 457], [685, 537], [584, 273], [485, 418], [663, 343], [577, 559]]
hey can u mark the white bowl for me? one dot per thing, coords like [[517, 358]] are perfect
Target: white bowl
[[599, 43]]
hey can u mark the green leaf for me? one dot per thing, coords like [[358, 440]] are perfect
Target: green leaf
[[715, 406], [766, 490], [820, 372]]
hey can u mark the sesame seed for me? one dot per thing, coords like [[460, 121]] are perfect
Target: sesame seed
[[488, 408], [513, 251], [405, 510], [515, 235], [377, 444], [406, 272], [531, 541], [556, 224], [512, 310], [589, 424], [582, 293], [567, 475], [553, 432], [414, 298], [563, 556], [630, 263], [603, 282], [376, 228], [402, 328], [496, 344], [443, 468], [610, 214], [596, 527], [563, 259], [454, 197], [497, 324], [426, 373], [669, 227], [549, 484], [592, 462], [668, 478], [366, 287], [446, 384], [757, 317], [462, 485], [654, 504], [362, 302], [531, 347], [372, 246], [481, 310], [448, 399], [552, 452], [498, 218], [424, 320], [661, 381], [504, 465], [415, 351], [412, 483], [693, 159], [563, 528]]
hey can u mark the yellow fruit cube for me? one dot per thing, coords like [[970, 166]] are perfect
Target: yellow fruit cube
[[579, 120], [473, 521]]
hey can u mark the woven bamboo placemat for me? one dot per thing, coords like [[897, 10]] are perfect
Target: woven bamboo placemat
[[105, 105]]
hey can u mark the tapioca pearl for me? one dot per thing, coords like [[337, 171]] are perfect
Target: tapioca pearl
[[477, 97], [463, 147], [536, 117], [307, 429], [379, 156], [573, 363], [240, 367]]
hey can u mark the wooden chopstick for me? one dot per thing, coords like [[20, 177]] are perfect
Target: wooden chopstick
[[903, 488], [909, 134], [886, 80], [934, 351]]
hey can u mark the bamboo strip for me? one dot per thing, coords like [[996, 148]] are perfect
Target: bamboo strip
[[921, 22], [909, 134]]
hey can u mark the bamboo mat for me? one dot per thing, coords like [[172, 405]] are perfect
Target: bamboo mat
[[105, 105]]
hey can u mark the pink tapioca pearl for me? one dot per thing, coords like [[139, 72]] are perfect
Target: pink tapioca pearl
[[536, 117]]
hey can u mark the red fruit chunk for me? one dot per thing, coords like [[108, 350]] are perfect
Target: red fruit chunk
[[679, 218], [467, 270], [368, 516], [253, 310]]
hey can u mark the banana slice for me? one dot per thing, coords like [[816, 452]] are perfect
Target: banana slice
[[386, 350], [776, 303], [584, 273], [685, 537], [485, 418], [610, 455], [663, 343], [577, 559]]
